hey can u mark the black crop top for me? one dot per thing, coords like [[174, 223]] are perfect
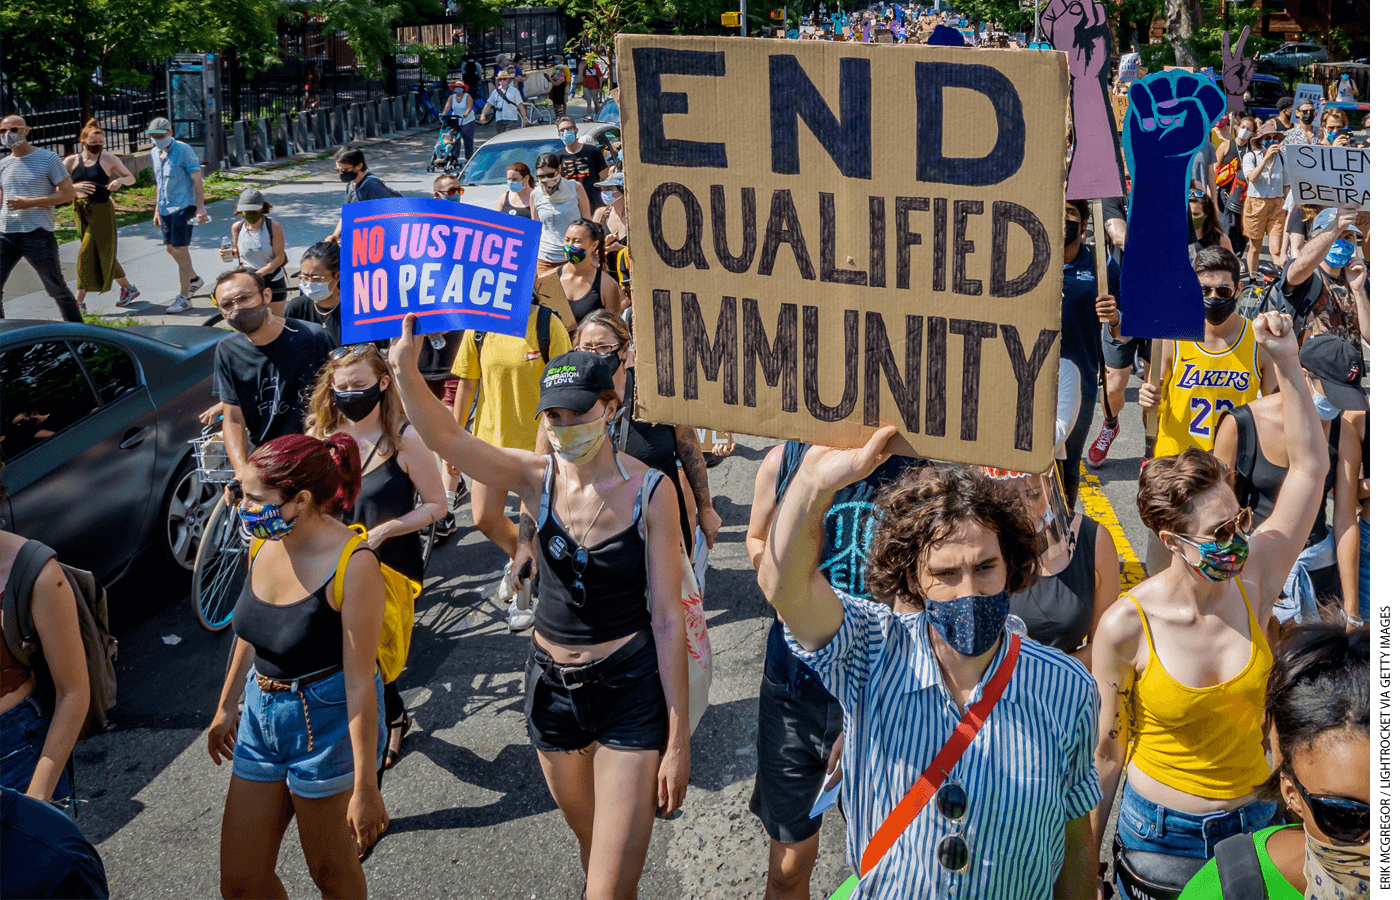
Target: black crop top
[[292, 640], [1059, 609], [614, 578]]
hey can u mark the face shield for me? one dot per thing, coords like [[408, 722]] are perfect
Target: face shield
[[1044, 497]]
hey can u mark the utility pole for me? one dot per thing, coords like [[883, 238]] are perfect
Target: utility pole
[[743, 18], [1036, 7]]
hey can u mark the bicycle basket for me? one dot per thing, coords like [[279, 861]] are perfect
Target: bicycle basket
[[211, 457]]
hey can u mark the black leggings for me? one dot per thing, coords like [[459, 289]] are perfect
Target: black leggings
[[393, 703]]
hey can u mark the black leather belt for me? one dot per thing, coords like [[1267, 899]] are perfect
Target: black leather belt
[[273, 686], [574, 677]]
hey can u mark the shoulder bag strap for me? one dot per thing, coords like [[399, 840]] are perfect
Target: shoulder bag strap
[[338, 587], [1241, 875], [543, 318], [923, 790]]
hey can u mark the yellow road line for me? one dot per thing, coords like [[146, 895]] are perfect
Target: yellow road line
[[1097, 506]]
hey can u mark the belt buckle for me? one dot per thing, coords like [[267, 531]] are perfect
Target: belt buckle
[[565, 672]]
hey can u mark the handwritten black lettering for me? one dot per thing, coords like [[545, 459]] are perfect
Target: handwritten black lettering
[[879, 357], [1027, 372], [654, 104], [792, 94], [713, 356], [690, 252], [748, 214], [778, 360], [831, 272], [810, 385], [784, 228], [962, 247], [1004, 214], [973, 333]]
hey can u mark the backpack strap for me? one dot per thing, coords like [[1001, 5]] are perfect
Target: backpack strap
[[1241, 874], [543, 318], [338, 586], [1246, 451], [639, 509], [20, 636]]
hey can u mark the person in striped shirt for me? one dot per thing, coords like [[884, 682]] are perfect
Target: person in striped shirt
[[32, 182], [952, 544]]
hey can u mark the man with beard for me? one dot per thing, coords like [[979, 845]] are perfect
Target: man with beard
[[263, 371]]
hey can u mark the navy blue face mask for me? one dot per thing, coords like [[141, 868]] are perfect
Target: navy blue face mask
[[970, 625]]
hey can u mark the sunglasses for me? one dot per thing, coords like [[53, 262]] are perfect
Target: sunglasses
[[1196, 194], [577, 592], [1343, 820], [352, 349], [1242, 524], [952, 852], [1217, 290], [451, 192]]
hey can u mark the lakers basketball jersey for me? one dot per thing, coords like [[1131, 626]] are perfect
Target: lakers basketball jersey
[[1202, 387]]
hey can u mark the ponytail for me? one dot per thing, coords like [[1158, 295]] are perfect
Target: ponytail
[[345, 453], [329, 469]]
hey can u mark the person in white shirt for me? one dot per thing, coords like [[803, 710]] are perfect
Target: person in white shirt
[[509, 105]]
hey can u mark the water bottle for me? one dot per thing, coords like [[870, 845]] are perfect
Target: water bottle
[[224, 246], [437, 340]]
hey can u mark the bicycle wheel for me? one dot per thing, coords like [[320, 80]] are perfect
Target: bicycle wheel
[[220, 567]]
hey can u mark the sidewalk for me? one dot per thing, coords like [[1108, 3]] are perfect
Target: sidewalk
[[306, 199]]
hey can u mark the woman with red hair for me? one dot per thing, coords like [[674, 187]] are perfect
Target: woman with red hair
[[311, 732]]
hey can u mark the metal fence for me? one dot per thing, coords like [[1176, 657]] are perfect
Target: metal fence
[[123, 114]]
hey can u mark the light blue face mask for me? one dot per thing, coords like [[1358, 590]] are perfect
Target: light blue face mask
[[516, 186], [1325, 407], [610, 197], [568, 137], [1341, 252]]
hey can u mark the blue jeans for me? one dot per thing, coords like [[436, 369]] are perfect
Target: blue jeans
[[22, 733], [1151, 828], [1364, 582], [40, 247]]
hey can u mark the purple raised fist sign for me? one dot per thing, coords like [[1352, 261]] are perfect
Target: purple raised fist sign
[[1080, 29]]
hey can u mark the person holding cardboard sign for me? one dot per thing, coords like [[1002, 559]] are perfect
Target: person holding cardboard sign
[[607, 684], [1327, 287], [933, 641]]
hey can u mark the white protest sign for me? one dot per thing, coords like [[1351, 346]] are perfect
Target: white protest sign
[[1308, 93], [1329, 176]]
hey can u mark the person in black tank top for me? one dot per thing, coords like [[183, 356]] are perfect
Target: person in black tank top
[[607, 674], [1078, 568], [311, 732], [586, 286], [355, 396], [96, 175]]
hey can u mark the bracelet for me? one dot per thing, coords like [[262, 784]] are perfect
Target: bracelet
[[1355, 621]]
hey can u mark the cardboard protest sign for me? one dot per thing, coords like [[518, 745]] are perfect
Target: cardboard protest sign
[[833, 258], [1309, 93], [454, 266], [1170, 115], [710, 439], [1329, 176], [1080, 29]]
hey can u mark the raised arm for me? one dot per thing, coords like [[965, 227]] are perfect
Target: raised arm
[[1277, 543], [1344, 509], [790, 577], [1315, 250], [508, 470]]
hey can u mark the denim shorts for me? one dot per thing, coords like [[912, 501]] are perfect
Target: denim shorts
[[176, 229], [1364, 582], [22, 733], [301, 736], [624, 708], [1146, 826]]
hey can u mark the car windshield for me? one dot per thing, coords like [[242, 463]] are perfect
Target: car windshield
[[609, 113], [488, 166]]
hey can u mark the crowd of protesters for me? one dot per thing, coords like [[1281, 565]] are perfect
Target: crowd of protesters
[[1226, 695]]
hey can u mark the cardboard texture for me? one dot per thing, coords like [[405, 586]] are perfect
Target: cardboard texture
[[1329, 176], [455, 267], [551, 294], [1169, 119], [846, 257], [1081, 31]]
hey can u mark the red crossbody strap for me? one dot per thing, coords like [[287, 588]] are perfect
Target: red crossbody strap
[[923, 790]]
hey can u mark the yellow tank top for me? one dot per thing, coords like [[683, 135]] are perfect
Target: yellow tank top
[[1204, 386], [1207, 742]]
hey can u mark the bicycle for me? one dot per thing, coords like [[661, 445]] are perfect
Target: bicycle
[[541, 112], [220, 564]]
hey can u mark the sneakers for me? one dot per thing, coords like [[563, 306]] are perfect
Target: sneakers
[[181, 304], [521, 614], [504, 591], [196, 285], [1098, 451], [446, 526], [128, 296]]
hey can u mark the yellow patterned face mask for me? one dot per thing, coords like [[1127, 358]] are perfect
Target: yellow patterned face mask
[[578, 443]]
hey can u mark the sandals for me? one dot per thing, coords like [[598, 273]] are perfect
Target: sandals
[[392, 753]]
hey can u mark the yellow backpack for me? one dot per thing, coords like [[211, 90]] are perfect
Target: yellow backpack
[[400, 593]]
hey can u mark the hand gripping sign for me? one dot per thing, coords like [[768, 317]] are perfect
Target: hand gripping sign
[[452, 265], [836, 258], [1168, 121]]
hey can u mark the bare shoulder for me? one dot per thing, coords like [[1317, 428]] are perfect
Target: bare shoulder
[[1120, 628]]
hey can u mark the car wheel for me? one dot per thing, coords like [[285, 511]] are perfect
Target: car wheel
[[185, 512]]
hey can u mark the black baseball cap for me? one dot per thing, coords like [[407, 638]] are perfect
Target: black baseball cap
[[573, 381], [1339, 366]]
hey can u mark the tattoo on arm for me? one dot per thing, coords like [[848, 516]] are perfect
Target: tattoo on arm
[[693, 461], [528, 528]]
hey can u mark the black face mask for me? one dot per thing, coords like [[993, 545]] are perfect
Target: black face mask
[[348, 177], [357, 405], [1218, 309], [249, 320], [614, 360], [1306, 116], [1071, 231]]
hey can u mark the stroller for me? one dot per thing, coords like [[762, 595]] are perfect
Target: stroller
[[445, 160]]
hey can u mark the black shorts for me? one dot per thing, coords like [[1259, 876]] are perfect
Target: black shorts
[[796, 732], [1119, 354], [620, 705]]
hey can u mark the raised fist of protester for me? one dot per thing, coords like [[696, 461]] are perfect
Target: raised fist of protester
[[1236, 70], [827, 469], [404, 350], [1169, 115], [1273, 333], [1081, 30]]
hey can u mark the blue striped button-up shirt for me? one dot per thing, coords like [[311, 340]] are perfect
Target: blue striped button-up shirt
[[1029, 770]]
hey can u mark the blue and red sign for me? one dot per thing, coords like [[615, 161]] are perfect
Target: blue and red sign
[[452, 265]]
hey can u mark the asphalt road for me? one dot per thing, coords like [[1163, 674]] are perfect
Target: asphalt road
[[472, 816]]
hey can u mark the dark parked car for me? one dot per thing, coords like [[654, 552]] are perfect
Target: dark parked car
[[95, 425]]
